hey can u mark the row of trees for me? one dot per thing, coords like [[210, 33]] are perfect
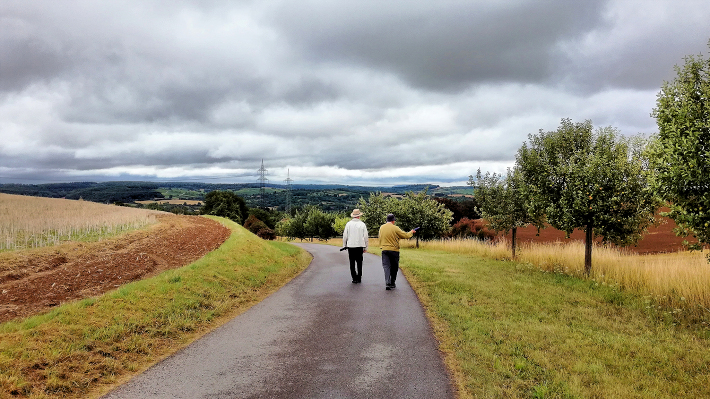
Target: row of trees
[[573, 178], [608, 185], [413, 210]]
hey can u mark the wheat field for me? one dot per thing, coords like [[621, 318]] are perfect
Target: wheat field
[[33, 222]]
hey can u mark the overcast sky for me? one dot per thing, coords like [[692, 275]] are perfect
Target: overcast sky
[[350, 92]]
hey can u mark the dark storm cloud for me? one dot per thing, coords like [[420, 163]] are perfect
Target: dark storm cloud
[[441, 45]]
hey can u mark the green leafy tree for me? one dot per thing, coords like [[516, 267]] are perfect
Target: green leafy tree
[[339, 224], [414, 210], [284, 228], [297, 226], [309, 222], [503, 203], [420, 210], [595, 181], [225, 204], [680, 152], [375, 210], [319, 224]]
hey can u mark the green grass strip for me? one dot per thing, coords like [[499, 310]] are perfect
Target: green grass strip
[[511, 331], [83, 348]]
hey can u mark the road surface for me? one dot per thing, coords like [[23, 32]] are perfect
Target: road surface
[[319, 336]]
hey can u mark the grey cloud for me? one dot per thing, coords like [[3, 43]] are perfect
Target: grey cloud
[[359, 86], [442, 45]]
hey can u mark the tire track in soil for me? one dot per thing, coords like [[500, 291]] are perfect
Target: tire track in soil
[[34, 281]]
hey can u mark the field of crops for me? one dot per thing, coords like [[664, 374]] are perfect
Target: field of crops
[[33, 222]]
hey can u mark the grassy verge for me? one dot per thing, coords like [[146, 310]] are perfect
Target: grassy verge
[[511, 331], [83, 348]]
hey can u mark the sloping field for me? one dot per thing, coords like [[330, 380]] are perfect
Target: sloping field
[[34, 222], [82, 348], [33, 281]]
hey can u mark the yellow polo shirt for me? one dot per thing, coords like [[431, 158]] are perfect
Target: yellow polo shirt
[[390, 235]]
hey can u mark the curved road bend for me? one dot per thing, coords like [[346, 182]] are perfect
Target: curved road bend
[[320, 336]]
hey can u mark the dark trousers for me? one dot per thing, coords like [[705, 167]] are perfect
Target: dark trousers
[[355, 256], [390, 264]]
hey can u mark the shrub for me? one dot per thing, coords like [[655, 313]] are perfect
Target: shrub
[[266, 234], [466, 228], [253, 224]]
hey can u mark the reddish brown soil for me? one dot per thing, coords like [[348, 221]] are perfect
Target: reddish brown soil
[[659, 238], [36, 280]]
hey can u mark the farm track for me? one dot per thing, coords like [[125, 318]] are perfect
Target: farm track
[[34, 281]]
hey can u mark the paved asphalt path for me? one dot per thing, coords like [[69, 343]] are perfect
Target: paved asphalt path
[[319, 336]]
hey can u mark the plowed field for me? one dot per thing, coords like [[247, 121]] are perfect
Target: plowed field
[[33, 281], [659, 239]]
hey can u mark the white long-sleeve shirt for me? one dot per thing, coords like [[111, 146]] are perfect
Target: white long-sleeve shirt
[[355, 234]]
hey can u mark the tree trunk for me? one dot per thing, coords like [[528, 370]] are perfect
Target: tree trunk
[[512, 244], [588, 251]]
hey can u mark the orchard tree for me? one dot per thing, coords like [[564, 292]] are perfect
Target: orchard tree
[[420, 210], [319, 224], [680, 152], [503, 203], [308, 222], [414, 210], [596, 181], [375, 210], [339, 224]]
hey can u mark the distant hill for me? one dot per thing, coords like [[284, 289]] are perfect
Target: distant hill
[[330, 197]]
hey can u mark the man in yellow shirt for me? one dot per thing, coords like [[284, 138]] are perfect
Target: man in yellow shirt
[[389, 241]]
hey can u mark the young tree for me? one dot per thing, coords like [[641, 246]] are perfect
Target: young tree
[[339, 224], [420, 210], [680, 152], [319, 223], [503, 202], [595, 181], [375, 210]]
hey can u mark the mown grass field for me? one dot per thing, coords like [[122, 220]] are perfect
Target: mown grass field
[[83, 348], [510, 330]]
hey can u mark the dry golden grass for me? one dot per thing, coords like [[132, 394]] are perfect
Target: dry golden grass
[[679, 281], [32, 222]]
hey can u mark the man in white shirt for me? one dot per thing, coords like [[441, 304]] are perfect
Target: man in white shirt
[[355, 240]]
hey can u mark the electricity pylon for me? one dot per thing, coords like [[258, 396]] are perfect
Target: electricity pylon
[[262, 183], [288, 182]]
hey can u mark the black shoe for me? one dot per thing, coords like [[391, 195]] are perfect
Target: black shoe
[[387, 287], [393, 285], [355, 281]]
